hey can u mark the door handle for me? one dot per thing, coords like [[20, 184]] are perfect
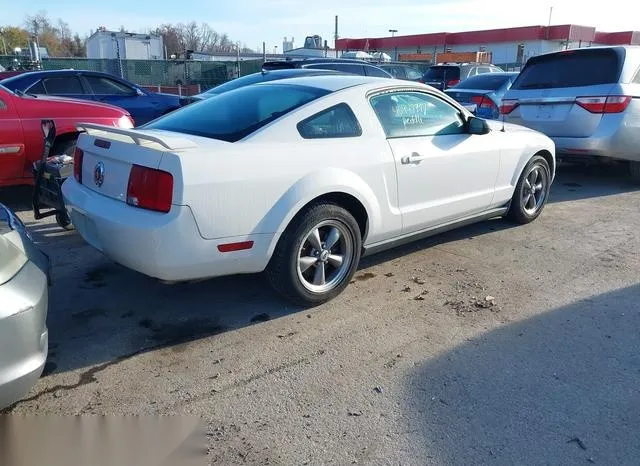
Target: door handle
[[414, 158]]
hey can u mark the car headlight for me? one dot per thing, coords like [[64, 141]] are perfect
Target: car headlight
[[126, 122]]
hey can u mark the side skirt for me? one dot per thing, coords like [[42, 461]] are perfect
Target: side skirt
[[401, 240]]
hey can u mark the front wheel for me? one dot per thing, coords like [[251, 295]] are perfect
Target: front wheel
[[532, 191], [316, 255]]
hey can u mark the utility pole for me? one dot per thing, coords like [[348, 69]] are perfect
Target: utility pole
[[549, 23], [264, 52], [335, 37]]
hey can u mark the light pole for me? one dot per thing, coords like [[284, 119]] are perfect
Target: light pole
[[393, 32]]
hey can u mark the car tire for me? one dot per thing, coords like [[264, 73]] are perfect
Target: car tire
[[304, 267], [634, 171], [64, 148], [532, 191]]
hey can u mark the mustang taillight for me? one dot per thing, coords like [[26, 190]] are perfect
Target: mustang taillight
[[508, 106], [77, 164], [150, 189], [604, 104]]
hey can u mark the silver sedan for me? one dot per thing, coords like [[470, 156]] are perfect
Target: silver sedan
[[24, 280]]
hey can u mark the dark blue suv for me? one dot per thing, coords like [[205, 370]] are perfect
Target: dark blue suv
[[143, 105]]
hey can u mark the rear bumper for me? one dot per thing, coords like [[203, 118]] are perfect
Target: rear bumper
[[617, 136], [24, 339], [164, 246]]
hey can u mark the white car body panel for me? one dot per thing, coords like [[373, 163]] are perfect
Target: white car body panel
[[250, 190]]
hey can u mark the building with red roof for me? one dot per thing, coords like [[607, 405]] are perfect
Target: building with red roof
[[507, 46]]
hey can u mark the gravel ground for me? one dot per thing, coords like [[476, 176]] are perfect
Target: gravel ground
[[492, 344]]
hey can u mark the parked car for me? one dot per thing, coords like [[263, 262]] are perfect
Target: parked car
[[482, 94], [447, 75], [21, 141], [344, 65], [298, 177], [24, 280], [587, 100], [400, 71], [254, 78], [143, 105]]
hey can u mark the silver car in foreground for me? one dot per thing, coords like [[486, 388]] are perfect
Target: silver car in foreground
[[587, 100], [24, 282]]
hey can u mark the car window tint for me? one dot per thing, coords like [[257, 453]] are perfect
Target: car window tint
[[439, 73], [407, 114], [486, 81], [324, 66], [412, 73], [570, 69], [335, 122], [63, 85], [238, 113], [37, 88], [375, 72], [106, 86], [3, 106], [351, 68]]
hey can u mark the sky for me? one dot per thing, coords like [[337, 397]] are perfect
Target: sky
[[254, 21]]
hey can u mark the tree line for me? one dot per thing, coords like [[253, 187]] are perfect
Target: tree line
[[59, 40]]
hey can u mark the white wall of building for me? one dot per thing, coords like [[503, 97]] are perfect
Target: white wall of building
[[132, 47], [505, 52]]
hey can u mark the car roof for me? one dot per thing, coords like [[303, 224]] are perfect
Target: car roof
[[331, 83], [310, 60], [45, 73]]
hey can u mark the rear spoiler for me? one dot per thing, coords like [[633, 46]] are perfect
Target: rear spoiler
[[137, 136]]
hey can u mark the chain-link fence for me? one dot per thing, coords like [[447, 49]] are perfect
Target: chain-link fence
[[155, 72]]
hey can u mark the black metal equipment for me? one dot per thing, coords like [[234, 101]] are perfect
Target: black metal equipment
[[49, 174]]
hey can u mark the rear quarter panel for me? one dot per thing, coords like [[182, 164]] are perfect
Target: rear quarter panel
[[258, 185], [66, 114]]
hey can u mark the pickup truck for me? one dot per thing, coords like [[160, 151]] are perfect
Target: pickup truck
[[21, 140]]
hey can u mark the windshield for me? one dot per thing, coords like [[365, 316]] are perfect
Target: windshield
[[236, 114], [485, 81], [570, 69], [440, 73]]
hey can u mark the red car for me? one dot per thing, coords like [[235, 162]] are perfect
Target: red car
[[21, 140]]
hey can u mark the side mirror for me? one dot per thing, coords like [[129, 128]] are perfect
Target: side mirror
[[48, 131], [139, 92], [478, 126]]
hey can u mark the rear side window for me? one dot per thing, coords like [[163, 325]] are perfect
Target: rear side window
[[64, 85], [486, 81], [636, 79], [106, 86], [375, 72], [236, 114], [570, 69], [412, 73], [441, 73], [335, 122]]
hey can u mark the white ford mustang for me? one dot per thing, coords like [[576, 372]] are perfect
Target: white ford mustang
[[299, 178]]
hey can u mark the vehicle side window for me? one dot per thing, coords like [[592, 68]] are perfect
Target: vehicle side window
[[63, 85], [106, 86], [636, 79], [351, 68], [3, 106], [37, 88], [413, 74], [324, 66], [334, 122], [408, 114], [378, 73]]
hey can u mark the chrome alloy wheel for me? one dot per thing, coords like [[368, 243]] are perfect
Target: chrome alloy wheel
[[325, 256], [534, 190]]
